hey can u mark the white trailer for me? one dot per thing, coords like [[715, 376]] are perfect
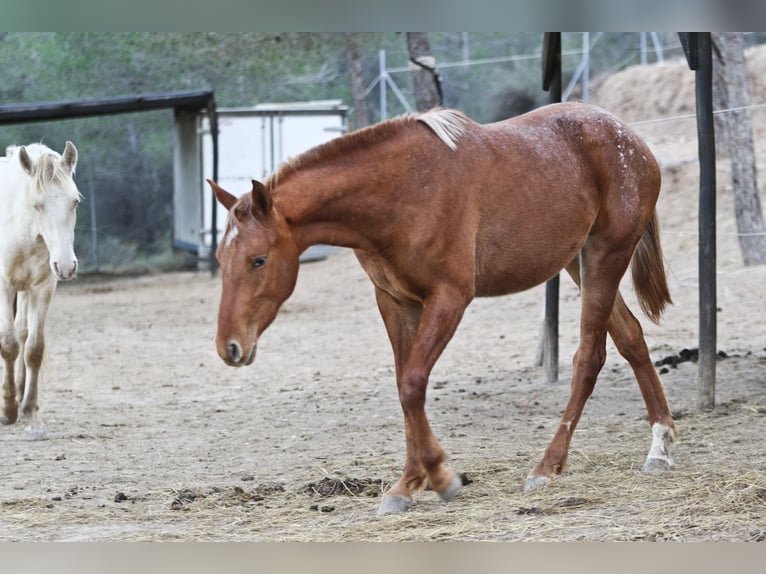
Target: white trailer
[[252, 142]]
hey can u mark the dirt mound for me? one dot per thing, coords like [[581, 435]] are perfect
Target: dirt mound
[[641, 93]]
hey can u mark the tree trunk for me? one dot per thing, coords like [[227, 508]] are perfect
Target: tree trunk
[[424, 74], [732, 91], [359, 117]]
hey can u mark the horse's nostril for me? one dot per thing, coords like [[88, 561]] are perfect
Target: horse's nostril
[[235, 352]]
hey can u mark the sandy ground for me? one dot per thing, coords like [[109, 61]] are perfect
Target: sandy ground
[[152, 437]]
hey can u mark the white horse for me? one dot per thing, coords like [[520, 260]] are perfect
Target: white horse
[[38, 210]]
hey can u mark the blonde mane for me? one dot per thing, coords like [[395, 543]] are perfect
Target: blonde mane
[[447, 125]]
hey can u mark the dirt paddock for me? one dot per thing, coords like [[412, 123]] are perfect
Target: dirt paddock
[[152, 437]]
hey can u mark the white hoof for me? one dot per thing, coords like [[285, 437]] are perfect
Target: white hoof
[[453, 490], [394, 504], [656, 465], [35, 433], [535, 481]]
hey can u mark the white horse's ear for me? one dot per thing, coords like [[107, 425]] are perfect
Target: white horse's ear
[[26, 161], [69, 159]]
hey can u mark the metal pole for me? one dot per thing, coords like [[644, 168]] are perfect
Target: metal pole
[[93, 223], [552, 286], [657, 47], [264, 169], [466, 49], [643, 48], [707, 231], [586, 70], [212, 116], [382, 60], [271, 143]]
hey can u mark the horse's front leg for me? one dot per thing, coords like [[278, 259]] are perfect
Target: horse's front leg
[[9, 351], [21, 329], [418, 336], [34, 307]]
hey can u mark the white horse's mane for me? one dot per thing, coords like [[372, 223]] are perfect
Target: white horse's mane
[[48, 163], [448, 125], [35, 150]]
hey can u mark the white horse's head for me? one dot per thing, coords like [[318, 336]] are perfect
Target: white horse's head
[[55, 199]]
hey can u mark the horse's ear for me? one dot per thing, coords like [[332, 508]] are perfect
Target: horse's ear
[[261, 197], [26, 161], [226, 199], [69, 159]]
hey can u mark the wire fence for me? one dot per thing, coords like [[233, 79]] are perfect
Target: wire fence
[[125, 224]]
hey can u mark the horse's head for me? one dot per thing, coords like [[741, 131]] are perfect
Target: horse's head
[[55, 199], [259, 267]]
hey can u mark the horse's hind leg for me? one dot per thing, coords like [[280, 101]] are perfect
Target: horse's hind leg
[[628, 336], [604, 265]]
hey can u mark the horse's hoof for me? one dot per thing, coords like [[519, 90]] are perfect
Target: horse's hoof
[[393, 504], [35, 433], [453, 490], [535, 481], [656, 465], [4, 420]]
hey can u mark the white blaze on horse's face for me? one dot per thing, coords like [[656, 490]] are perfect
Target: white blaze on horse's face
[[55, 202]]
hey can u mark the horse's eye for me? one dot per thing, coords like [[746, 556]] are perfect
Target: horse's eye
[[258, 262]]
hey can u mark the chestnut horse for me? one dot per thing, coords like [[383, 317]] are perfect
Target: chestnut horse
[[439, 210]]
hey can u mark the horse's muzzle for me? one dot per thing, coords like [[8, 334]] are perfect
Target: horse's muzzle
[[65, 272], [233, 355]]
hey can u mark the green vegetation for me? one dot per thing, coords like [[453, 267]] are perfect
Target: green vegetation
[[126, 161]]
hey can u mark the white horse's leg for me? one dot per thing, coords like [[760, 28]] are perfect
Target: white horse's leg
[[36, 309], [9, 350], [22, 331]]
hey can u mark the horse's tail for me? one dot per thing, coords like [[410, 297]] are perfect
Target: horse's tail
[[648, 269]]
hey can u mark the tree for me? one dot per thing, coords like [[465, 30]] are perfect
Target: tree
[[359, 116], [731, 91], [423, 72]]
